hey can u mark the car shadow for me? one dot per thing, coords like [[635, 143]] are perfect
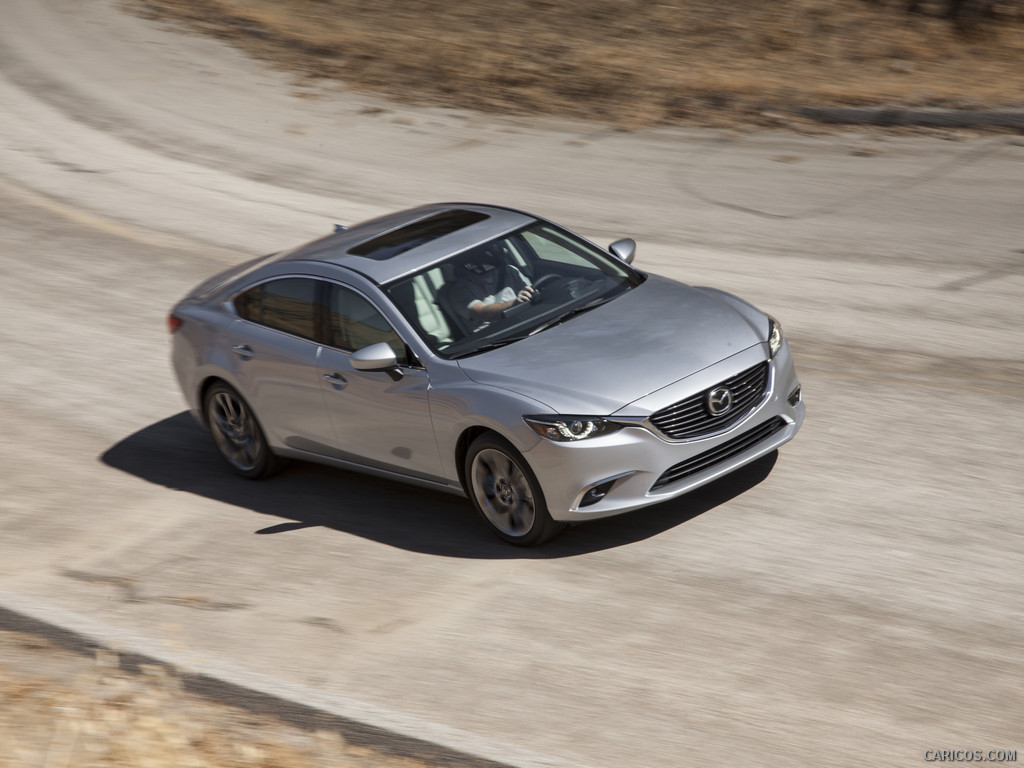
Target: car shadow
[[176, 453]]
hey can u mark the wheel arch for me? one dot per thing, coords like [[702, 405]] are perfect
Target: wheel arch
[[204, 388], [465, 440]]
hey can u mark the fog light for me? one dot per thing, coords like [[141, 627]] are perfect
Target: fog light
[[596, 493], [794, 396]]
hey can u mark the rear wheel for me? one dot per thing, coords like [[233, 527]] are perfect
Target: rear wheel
[[506, 494], [237, 434]]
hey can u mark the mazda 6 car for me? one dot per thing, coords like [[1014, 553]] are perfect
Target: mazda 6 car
[[580, 387]]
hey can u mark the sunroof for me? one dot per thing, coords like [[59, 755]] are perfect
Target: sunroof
[[403, 239]]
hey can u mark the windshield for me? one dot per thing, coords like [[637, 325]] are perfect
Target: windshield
[[503, 290]]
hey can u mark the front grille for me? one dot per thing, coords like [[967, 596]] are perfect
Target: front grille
[[720, 453], [691, 417]]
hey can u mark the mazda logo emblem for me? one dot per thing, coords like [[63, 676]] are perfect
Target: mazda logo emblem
[[719, 401]]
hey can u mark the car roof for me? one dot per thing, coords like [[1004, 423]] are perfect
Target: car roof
[[402, 243]]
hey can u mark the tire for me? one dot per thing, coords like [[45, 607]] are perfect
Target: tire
[[506, 494], [237, 433]]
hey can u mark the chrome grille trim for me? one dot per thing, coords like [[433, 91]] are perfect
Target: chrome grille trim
[[723, 452], [690, 418]]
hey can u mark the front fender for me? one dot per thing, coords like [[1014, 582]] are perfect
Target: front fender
[[466, 405]]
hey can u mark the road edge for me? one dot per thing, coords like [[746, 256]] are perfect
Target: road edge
[[917, 116], [254, 692]]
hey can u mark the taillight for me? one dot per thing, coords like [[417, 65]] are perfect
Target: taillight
[[173, 323]]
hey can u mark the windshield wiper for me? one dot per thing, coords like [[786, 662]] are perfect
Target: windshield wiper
[[489, 346], [570, 314]]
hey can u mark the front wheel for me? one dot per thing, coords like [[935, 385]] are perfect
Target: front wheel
[[506, 494], [237, 433]]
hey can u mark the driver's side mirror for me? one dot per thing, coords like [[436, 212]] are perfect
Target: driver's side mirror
[[379, 357], [625, 249]]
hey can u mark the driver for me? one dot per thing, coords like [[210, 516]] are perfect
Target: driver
[[488, 284]]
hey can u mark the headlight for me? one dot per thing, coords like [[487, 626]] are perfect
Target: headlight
[[566, 429], [774, 336]]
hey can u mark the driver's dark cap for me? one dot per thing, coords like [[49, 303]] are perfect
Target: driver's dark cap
[[483, 261]]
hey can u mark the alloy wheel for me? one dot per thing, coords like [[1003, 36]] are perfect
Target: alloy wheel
[[503, 492], [235, 431]]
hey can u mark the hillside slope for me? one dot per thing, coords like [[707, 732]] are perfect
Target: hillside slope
[[634, 62]]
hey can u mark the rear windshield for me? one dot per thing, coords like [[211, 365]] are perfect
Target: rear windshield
[[403, 239]]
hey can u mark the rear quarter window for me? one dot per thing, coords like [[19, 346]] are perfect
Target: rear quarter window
[[287, 305]]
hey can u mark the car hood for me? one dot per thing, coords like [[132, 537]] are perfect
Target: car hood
[[596, 363]]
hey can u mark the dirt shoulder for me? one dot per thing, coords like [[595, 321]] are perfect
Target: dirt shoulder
[[634, 63]]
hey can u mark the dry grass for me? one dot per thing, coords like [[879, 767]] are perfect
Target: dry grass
[[632, 62], [60, 710]]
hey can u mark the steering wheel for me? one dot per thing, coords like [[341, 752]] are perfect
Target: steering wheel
[[549, 280]]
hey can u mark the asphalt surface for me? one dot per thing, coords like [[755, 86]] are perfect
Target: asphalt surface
[[855, 598]]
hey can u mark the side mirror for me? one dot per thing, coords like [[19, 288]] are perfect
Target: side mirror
[[625, 249], [377, 357]]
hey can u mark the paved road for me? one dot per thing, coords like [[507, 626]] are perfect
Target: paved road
[[857, 598]]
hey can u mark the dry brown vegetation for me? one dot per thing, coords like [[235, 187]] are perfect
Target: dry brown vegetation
[[634, 62], [62, 710]]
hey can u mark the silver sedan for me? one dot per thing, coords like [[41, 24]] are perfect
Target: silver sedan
[[490, 353]]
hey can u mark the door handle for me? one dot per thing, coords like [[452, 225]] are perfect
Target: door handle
[[335, 380], [244, 351]]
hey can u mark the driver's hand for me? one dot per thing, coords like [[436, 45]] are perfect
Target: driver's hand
[[525, 295]]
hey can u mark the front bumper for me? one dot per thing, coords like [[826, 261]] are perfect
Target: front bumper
[[637, 466]]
